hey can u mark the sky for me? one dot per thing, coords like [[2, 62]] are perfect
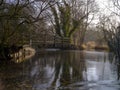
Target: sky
[[103, 5], [104, 8]]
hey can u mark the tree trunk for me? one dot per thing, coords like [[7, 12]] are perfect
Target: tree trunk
[[65, 43]]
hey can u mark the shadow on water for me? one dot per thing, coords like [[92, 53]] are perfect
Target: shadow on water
[[62, 70]]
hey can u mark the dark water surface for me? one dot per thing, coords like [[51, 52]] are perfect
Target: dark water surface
[[62, 70]]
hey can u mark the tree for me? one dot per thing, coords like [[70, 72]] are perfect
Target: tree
[[110, 27], [111, 31], [88, 8], [71, 16], [17, 18]]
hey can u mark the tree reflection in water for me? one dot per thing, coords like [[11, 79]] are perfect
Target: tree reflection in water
[[61, 70], [115, 63], [66, 68]]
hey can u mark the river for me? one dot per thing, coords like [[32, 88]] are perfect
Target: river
[[62, 70]]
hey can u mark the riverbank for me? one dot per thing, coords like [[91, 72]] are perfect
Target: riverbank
[[88, 46], [24, 54]]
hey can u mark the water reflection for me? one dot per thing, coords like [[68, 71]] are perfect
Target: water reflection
[[56, 69], [61, 70]]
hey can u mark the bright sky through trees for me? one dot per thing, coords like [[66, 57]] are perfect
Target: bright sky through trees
[[104, 6]]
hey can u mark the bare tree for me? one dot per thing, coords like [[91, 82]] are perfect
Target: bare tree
[[19, 13], [111, 31], [88, 8], [72, 16], [17, 18]]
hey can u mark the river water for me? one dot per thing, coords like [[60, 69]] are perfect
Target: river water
[[62, 70]]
